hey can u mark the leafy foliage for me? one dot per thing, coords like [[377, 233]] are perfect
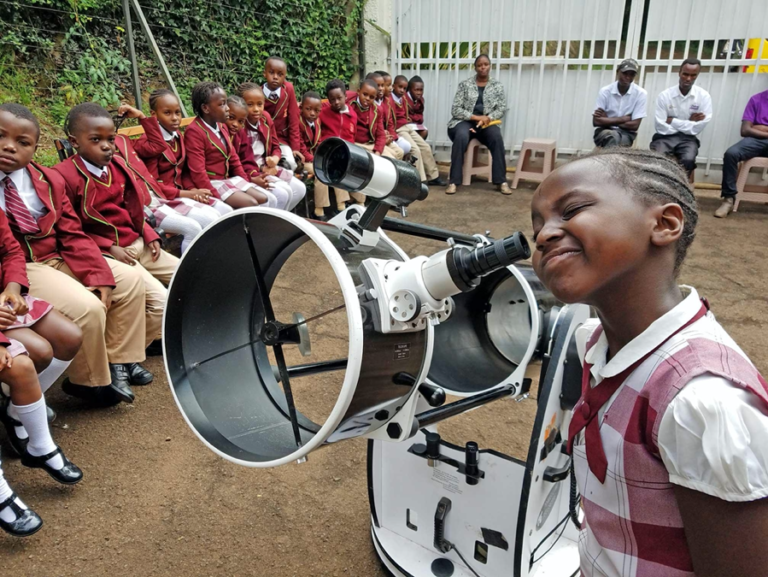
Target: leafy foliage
[[62, 52]]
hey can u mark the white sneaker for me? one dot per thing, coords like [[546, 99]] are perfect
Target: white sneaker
[[725, 208]]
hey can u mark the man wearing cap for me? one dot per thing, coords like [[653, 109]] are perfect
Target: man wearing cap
[[620, 108], [682, 112], [754, 142]]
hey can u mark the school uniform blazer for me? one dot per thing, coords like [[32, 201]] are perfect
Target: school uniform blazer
[[13, 265], [309, 141], [370, 126], [163, 163], [285, 113], [242, 144], [209, 158], [388, 116], [402, 111], [415, 108], [124, 148], [61, 233], [81, 193], [333, 123]]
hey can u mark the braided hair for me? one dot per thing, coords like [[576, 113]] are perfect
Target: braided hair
[[655, 179], [237, 101], [202, 93], [85, 110], [157, 95], [249, 87]]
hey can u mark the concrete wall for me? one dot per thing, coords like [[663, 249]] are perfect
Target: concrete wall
[[377, 43]]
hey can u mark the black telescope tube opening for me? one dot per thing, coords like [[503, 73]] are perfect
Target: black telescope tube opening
[[467, 266], [343, 165]]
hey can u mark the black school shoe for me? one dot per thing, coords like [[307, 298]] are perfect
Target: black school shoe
[[437, 182], [69, 474], [17, 444], [121, 383], [105, 396], [26, 523], [137, 375]]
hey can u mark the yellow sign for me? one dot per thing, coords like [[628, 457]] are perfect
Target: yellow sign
[[752, 50]]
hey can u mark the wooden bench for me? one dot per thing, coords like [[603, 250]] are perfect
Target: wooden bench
[[133, 131]]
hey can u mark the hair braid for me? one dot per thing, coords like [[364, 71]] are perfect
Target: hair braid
[[656, 179]]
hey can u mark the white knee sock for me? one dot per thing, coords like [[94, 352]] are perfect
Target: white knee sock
[[52, 373], [35, 421], [21, 432], [6, 513]]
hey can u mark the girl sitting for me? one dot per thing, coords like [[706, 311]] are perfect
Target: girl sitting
[[669, 437], [212, 163], [259, 134]]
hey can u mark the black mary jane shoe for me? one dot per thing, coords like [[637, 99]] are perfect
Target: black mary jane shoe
[[137, 375], [26, 523], [101, 396], [121, 383], [17, 443], [69, 474]]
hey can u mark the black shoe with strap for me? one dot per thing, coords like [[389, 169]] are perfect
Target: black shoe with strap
[[17, 443], [137, 375], [121, 383], [102, 396], [26, 523], [69, 474]]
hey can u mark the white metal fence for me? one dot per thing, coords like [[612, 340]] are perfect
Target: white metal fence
[[552, 57]]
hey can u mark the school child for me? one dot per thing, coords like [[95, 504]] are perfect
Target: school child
[[65, 267], [415, 96], [370, 133], [173, 215], [390, 136], [388, 110], [338, 119], [669, 437], [282, 106], [212, 163], [254, 140], [309, 125], [109, 197], [426, 162], [166, 164]]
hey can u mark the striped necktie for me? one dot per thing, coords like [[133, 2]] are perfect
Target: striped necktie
[[273, 97], [19, 217]]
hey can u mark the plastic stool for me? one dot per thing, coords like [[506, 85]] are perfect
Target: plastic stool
[[531, 145], [756, 192], [472, 166]]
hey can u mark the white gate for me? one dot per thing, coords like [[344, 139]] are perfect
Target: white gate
[[552, 57]]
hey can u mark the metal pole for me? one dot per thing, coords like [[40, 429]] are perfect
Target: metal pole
[[426, 231], [456, 408], [156, 51], [132, 53]]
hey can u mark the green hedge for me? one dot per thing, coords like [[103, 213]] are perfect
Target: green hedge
[[57, 53]]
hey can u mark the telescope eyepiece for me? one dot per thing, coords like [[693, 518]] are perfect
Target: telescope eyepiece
[[468, 266]]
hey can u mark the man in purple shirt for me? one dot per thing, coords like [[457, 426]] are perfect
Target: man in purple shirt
[[754, 130]]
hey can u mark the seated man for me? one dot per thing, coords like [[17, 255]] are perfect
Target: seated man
[[754, 142], [682, 112], [619, 109]]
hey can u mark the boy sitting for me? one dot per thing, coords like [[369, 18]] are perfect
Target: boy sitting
[[282, 107]]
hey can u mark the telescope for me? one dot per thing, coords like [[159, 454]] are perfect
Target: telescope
[[330, 331]]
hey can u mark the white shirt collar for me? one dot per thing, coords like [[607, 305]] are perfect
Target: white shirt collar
[[379, 102], [268, 92], [93, 169], [678, 94], [215, 129], [397, 98], [658, 332], [168, 136], [312, 124], [345, 110], [615, 89], [20, 178], [253, 127]]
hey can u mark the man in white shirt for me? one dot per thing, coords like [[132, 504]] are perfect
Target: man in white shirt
[[620, 108], [682, 112]]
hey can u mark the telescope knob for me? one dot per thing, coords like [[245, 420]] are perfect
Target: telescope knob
[[434, 395]]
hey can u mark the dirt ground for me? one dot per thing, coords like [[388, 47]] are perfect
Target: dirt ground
[[155, 501]]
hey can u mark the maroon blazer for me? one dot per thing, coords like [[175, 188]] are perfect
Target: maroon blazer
[[285, 113], [335, 124], [402, 111], [13, 265], [163, 162], [86, 203], [370, 126], [242, 144], [208, 157], [124, 148], [309, 141], [61, 234], [415, 108], [388, 116]]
